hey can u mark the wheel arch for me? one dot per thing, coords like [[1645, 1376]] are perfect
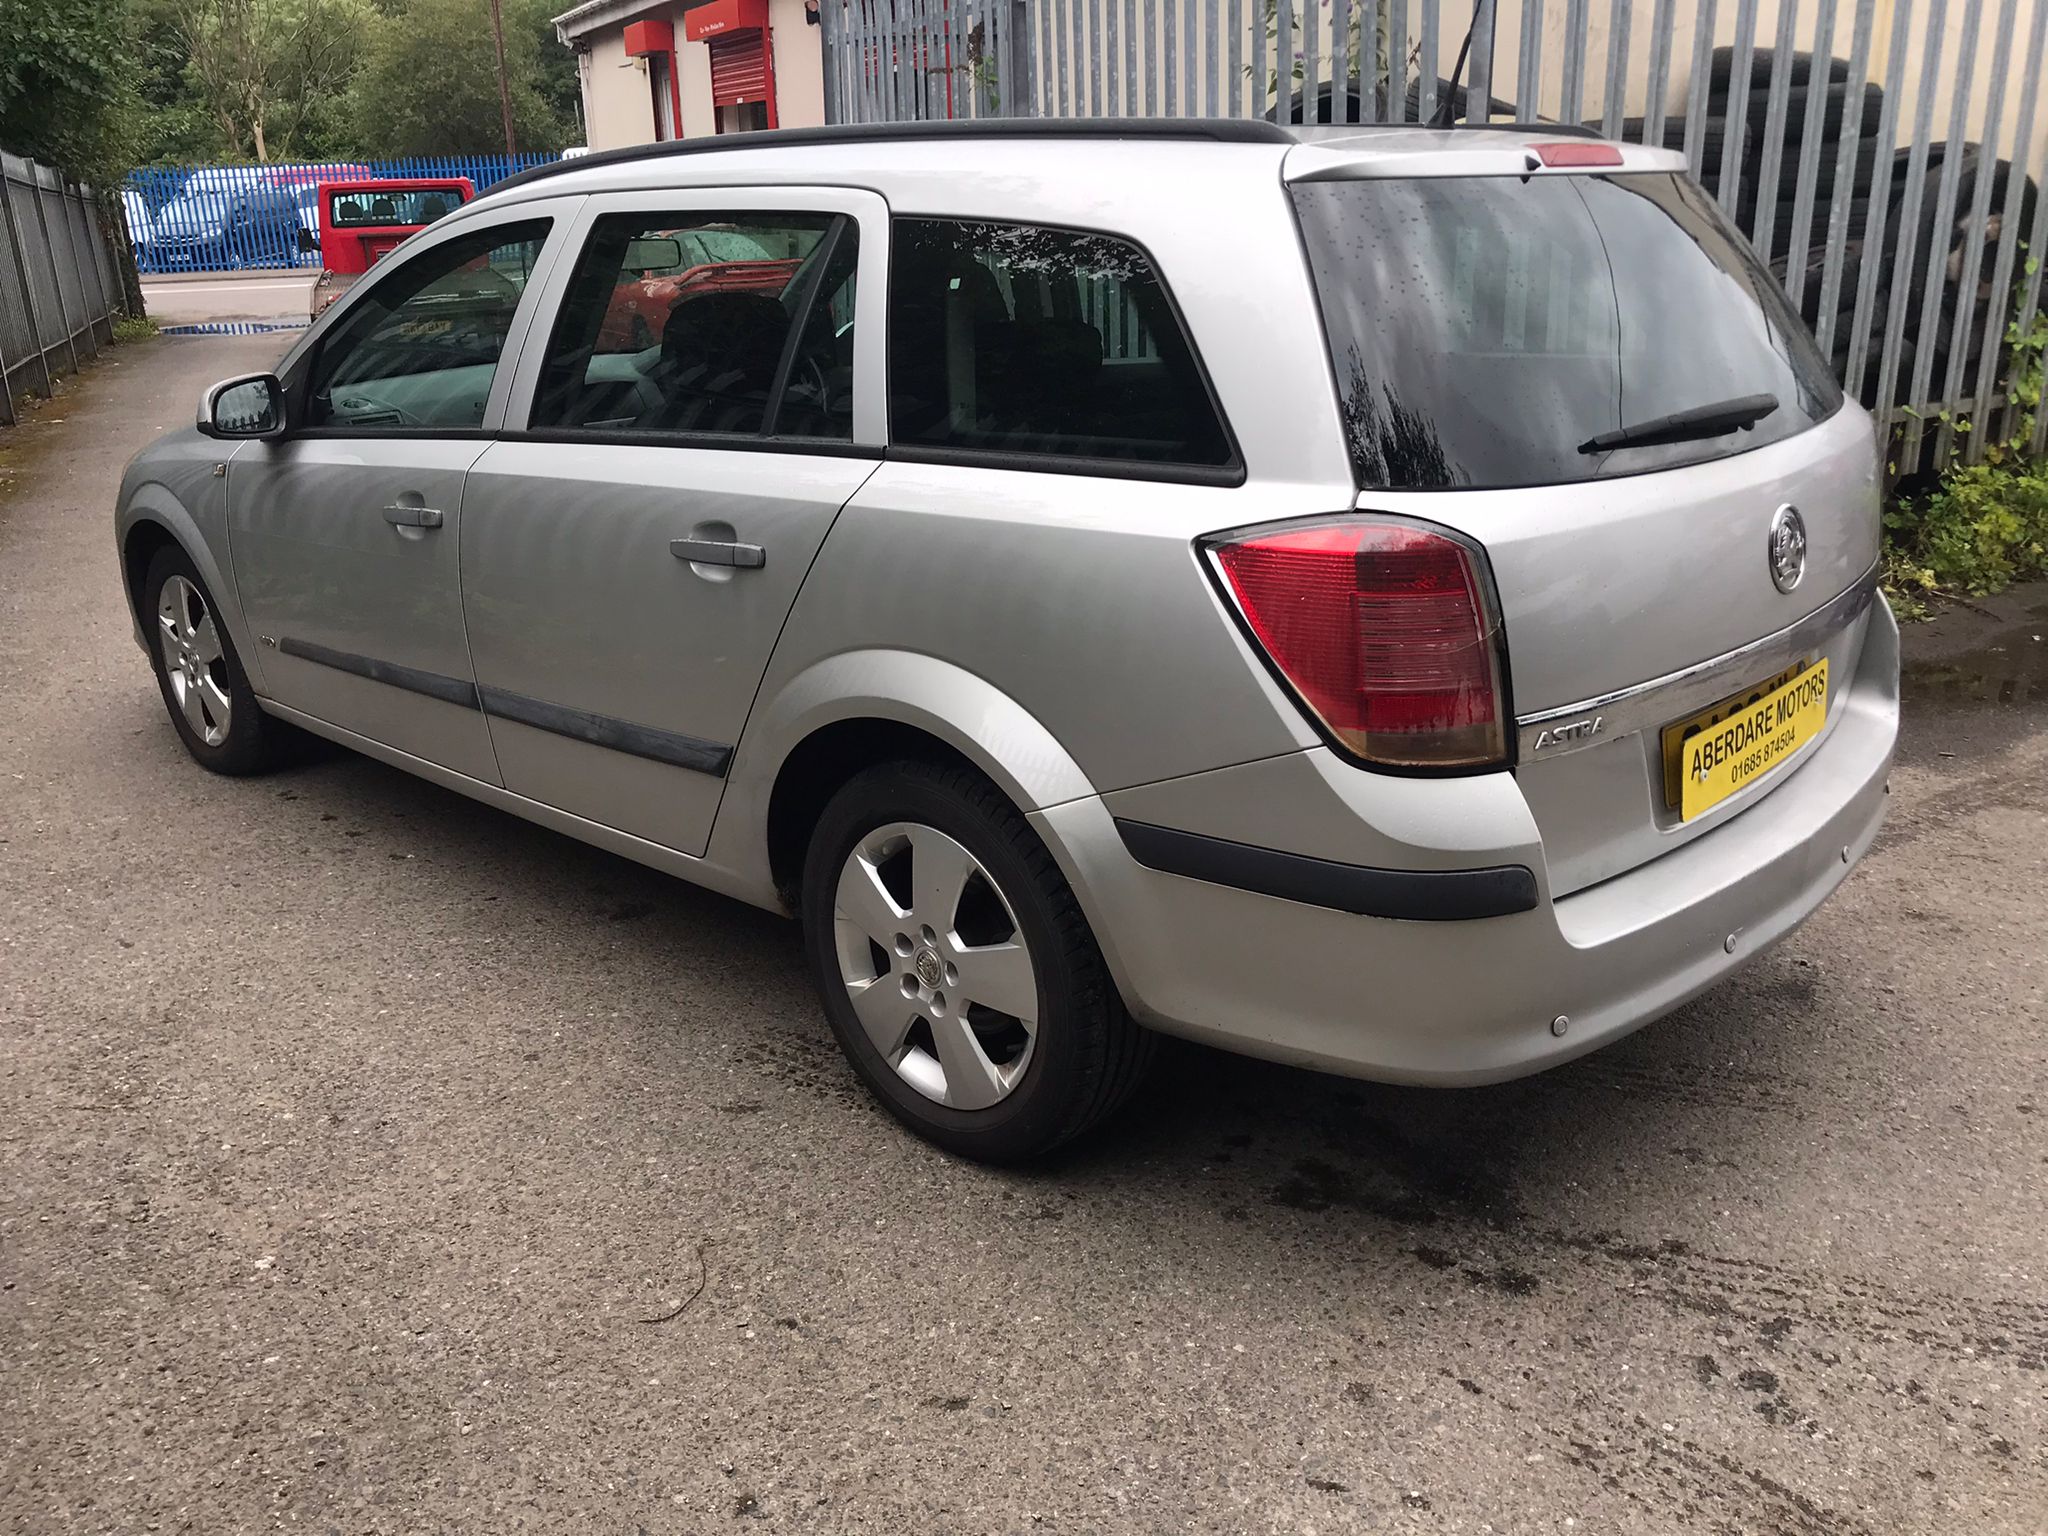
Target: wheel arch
[[139, 546], [152, 518], [852, 711]]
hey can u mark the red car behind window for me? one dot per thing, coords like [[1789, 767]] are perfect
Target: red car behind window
[[681, 264]]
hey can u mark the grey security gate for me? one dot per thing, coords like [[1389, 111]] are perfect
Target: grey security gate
[[57, 283], [1883, 155]]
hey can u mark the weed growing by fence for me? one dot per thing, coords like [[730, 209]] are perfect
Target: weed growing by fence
[[1985, 525]]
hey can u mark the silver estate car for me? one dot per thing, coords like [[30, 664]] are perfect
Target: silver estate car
[[1396, 601]]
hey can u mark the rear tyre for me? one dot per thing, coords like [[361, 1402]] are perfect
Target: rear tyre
[[956, 969], [211, 704]]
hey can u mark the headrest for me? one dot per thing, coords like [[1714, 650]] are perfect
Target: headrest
[[727, 331]]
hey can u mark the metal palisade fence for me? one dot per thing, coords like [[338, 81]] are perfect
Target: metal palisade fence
[[205, 218], [58, 286], [1884, 156]]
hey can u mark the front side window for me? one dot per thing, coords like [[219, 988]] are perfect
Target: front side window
[[1019, 339], [722, 324], [1508, 331], [421, 348]]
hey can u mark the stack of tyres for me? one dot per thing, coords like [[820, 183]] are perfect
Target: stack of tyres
[[1879, 177]]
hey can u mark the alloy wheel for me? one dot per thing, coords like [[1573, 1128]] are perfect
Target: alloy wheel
[[938, 971], [194, 660]]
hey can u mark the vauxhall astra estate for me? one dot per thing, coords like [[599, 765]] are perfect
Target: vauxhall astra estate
[[1391, 600]]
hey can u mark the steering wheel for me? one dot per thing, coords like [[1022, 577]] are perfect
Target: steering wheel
[[811, 384]]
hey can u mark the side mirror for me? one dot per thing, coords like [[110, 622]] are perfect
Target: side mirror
[[251, 406], [308, 240]]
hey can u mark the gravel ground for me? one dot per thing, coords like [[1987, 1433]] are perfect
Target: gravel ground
[[358, 1145]]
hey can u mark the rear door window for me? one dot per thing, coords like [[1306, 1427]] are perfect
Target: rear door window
[[1016, 339], [1484, 330], [699, 323]]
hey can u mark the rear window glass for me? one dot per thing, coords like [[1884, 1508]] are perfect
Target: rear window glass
[[1018, 339], [394, 206], [1485, 330]]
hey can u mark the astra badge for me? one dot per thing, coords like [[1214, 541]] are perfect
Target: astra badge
[[1570, 733], [1788, 547]]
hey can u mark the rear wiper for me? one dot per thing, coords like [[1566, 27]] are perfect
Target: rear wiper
[[1743, 411]]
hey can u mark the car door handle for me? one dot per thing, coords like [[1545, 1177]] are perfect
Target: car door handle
[[748, 557], [399, 515]]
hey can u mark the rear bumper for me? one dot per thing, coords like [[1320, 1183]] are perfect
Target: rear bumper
[[1461, 1002]]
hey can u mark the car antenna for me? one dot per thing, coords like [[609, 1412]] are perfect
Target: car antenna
[[1446, 111]]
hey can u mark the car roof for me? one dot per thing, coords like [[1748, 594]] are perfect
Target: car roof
[[906, 144], [1125, 175]]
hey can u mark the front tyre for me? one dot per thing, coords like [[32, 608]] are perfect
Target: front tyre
[[204, 687], [956, 968]]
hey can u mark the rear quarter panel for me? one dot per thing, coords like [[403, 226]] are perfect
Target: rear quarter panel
[[1080, 600]]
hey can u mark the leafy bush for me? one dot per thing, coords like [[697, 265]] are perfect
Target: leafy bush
[[1985, 526], [129, 328]]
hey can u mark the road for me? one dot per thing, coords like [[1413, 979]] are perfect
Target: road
[[373, 1162], [230, 296]]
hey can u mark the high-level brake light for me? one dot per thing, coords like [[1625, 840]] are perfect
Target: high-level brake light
[[1572, 153]]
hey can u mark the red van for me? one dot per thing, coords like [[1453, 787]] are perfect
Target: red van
[[361, 220]]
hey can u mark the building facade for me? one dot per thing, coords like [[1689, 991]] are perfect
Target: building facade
[[691, 68]]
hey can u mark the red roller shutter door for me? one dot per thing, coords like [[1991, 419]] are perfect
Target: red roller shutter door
[[739, 68]]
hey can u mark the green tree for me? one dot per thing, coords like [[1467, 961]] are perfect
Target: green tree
[[271, 73], [557, 79], [428, 83], [173, 127], [67, 86]]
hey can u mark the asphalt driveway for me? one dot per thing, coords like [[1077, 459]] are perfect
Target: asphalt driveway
[[373, 1162]]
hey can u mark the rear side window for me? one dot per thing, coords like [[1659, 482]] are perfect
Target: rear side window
[[1486, 330], [695, 323], [1009, 339]]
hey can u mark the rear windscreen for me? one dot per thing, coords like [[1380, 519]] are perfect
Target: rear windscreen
[[1485, 330]]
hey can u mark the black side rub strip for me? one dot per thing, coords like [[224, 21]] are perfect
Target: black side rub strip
[[1429, 896], [579, 724], [607, 731], [450, 690]]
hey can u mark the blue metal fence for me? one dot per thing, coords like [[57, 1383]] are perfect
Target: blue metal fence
[[210, 218]]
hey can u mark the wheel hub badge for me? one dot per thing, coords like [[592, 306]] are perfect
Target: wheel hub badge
[[929, 971]]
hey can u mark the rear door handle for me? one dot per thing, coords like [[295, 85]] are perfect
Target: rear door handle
[[399, 515], [748, 557]]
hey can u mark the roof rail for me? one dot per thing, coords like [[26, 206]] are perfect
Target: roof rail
[[1219, 130], [1546, 130]]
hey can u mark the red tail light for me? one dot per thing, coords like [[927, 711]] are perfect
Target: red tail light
[[1384, 630]]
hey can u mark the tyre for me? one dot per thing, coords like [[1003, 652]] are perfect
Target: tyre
[[1721, 69], [956, 968], [205, 689]]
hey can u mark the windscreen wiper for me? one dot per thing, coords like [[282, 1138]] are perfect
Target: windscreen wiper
[[1743, 412]]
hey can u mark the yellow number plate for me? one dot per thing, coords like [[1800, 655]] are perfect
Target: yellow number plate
[[1714, 758]]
